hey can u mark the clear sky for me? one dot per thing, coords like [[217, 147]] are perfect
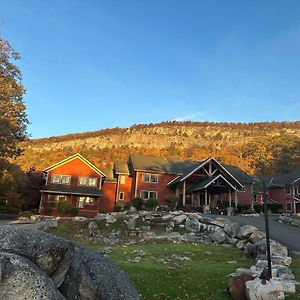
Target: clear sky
[[92, 64]]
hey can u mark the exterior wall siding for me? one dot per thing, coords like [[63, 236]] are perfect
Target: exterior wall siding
[[161, 187], [107, 201], [278, 195], [125, 188]]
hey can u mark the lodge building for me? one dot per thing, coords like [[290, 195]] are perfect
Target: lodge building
[[207, 183]]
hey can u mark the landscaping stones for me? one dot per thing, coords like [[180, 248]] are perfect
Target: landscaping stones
[[170, 226], [92, 228], [179, 219], [192, 225], [130, 223], [218, 236], [232, 229], [270, 290], [237, 287], [246, 231], [220, 222], [256, 235], [111, 219]]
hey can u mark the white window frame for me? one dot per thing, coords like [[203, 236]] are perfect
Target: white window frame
[[123, 196], [289, 203], [60, 179], [88, 181], [150, 178], [57, 198], [85, 203], [285, 190], [122, 179], [149, 196]]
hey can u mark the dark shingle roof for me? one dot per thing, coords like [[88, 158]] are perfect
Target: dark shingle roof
[[110, 175], [160, 164], [239, 174], [121, 167], [284, 179], [79, 190], [200, 185]]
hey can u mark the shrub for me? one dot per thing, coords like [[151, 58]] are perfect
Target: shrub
[[127, 206], [74, 211], [48, 209], [63, 206], [171, 200], [151, 203], [244, 209], [35, 211], [117, 207], [138, 203], [258, 208]]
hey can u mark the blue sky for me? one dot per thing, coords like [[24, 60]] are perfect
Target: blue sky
[[92, 64]]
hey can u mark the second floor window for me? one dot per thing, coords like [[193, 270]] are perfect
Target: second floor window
[[287, 190], [61, 179], [296, 190], [150, 178], [88, 181], [122, 179]]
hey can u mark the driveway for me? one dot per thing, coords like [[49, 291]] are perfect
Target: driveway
[[286, 234], [35, 225]]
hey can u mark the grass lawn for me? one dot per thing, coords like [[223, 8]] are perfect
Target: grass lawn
[[164, 273]]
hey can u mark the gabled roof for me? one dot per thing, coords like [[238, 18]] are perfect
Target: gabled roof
[[110, 175], [207, 182], [237, 171], [160, 164], [121, 167], [239, 174], [284, 179], [70, 158]]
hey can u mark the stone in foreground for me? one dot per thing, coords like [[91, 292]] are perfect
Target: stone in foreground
[[92, 276], [21, 279]]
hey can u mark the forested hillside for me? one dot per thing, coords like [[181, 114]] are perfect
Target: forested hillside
[[258, 148]]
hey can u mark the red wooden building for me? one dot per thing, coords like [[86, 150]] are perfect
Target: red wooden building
[[196, 184]]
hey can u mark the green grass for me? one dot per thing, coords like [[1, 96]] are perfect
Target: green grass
[[202, 277], [295, 267]]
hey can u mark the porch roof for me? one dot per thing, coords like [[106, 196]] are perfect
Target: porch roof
[[207, 182], [83, 191]]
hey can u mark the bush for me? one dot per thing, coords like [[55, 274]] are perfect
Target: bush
[[74, 211], [35, 211], [151, 203], [48, 209], [117, 207], [244, 209], [63, 206], [137, 203], [127, 206], [171, 200], [258, 208]]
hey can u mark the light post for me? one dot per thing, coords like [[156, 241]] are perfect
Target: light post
[[269, 273]]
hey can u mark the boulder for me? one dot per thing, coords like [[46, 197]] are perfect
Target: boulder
[[100, 217], [92, 228], [246, 231], [51, 254], [241, 244], [131, 223], [283, 272], [281, 260], [289, 286], [111, 219], [277, 249], [232, 229], [21, 279], [218, 236], [257, 235], [92, 276], [220, 222], [167, 217], [271, 290], [179, 219], [237, 285], [192, 225], [50, 224], [170, 226], [81, 219]]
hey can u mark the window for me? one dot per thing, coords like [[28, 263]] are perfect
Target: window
[[54, 199], [85, 201], [122, 179], [296, 190], [148, 194], [88, 181], [61, 179], [121, 196], [255, 197], [150, 178], [289, 206], [287, 190]]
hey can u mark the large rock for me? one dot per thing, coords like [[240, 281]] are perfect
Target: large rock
[[51, 254], [218, 236], [91, 276], [237, 285], [232, 229], [271, 290], [111, 219], [21, 279], [92, 228], [277, 249], [246, 231], [257, 235], [192, 225], [179, 219], [220, 222]]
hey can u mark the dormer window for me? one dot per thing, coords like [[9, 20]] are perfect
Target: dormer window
[[60, 179], [147, 177], [88, 181]]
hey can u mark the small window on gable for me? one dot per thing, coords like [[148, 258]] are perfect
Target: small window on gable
[[122, 179], [121, 196], [287, 190]]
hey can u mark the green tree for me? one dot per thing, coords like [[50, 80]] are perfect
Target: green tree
[[13, 118]]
